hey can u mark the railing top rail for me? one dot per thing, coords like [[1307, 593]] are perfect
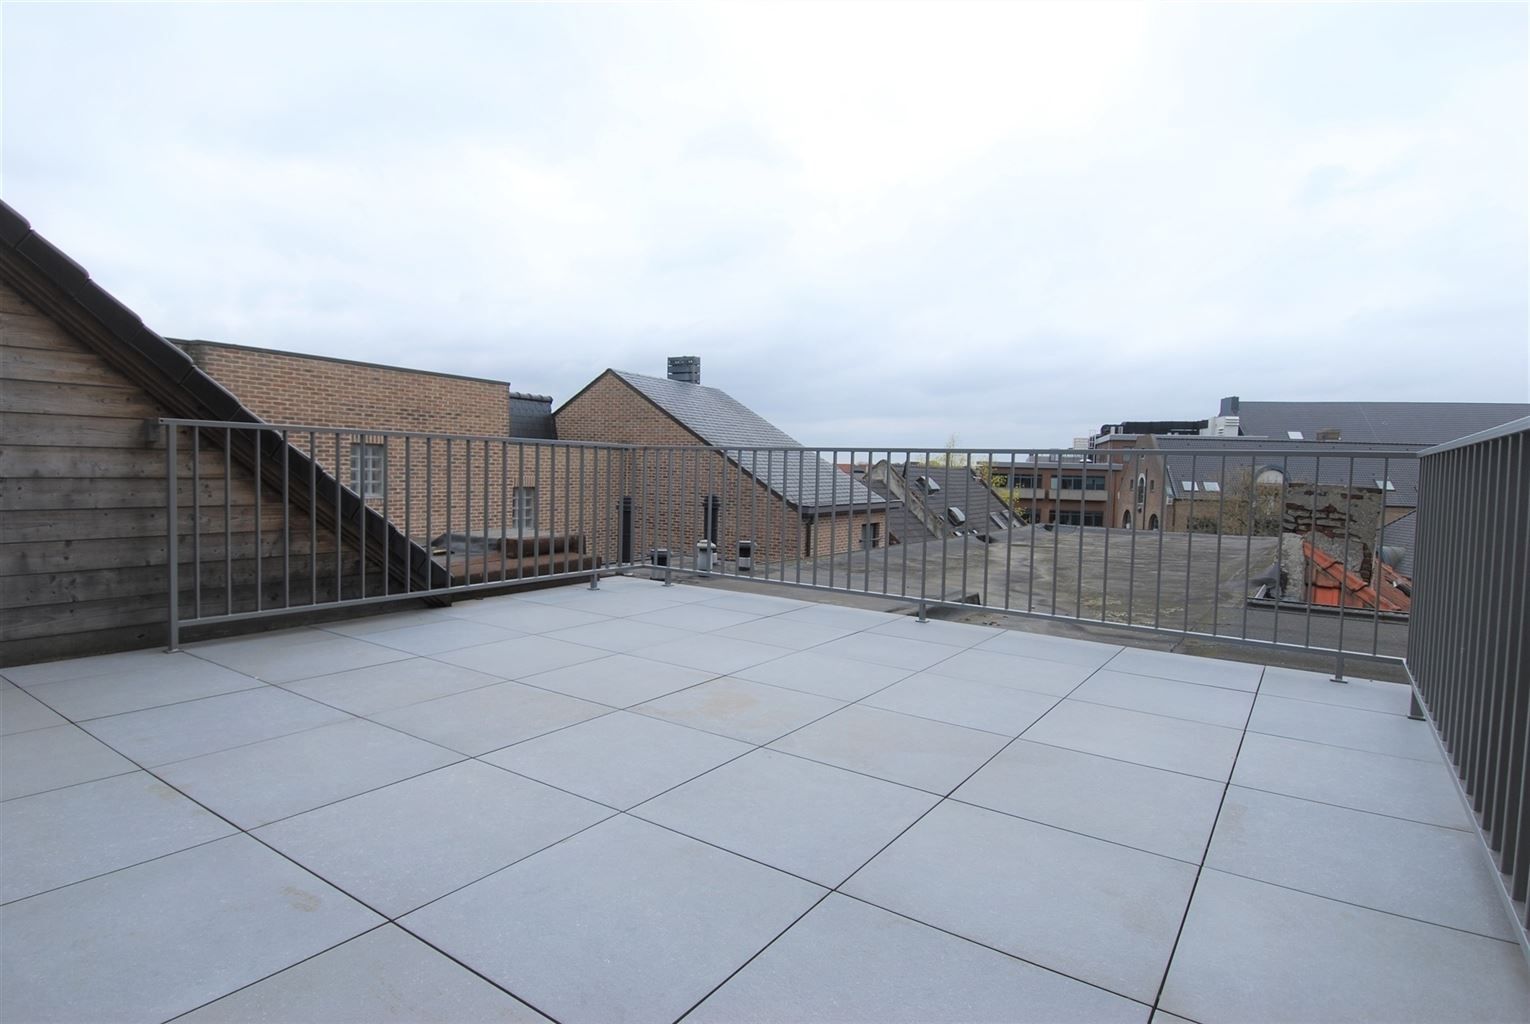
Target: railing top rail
[[1502, 430], [1102, 459]]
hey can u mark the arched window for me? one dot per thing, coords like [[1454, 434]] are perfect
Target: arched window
[[1141, 492], [1153, 522], [1126, 519]]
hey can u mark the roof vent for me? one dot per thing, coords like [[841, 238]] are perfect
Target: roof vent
[[1328, 433], [685, 369]]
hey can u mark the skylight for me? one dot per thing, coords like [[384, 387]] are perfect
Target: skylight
[[956, 516], [1295, 435], [1211, 485], [1386, 485]]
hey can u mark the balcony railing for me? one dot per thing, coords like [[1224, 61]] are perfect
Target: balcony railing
[[1469, 647], [1289, 549]]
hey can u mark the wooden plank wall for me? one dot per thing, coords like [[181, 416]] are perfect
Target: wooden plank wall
[[82, 508]]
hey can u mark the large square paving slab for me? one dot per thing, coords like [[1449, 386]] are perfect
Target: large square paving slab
[[928, 755], [1257, 952], [294, 654], [981, 665], [477, 721], [817, 822], [176, 678], [1235, 675], [397, 684], [618, 759], [899, 971], [619, 681], [1374, 731], [625, 921], [54, 757], [1093, 910], [1156, 741], [1161, 812], [21, 712], [66, 835], [1195, 702], [398, 847], [740, 709], [260, 783], [155, 940], [815, 672], [976, 704], [386, 976]]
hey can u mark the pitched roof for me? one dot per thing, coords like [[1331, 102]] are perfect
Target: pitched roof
[[1202, 459], [803, 478], [63, 289], [957, 488], [1420, 423]]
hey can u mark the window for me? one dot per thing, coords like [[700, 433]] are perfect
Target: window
[[525, 510], [930, 486], [1385, 485], [1025, 480], [711, 514], [1211, 485], [1072, 517], [1295, 435], [369, 469], [955, 516], [1187, 485], [871, 535], [1075, 483]]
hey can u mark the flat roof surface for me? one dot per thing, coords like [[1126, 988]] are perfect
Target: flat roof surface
[[648, 802]]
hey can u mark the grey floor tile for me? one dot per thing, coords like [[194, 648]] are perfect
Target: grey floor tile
[[620, 680], [525, 616], [626, 921], [57, 838], [740, 709], [1235, 675], [1376, 731], [1087, 653], [259, 783], [1153, 740], [825, 675], [401, 846], [1399, 786], [934, 631], [478, 721], [889, 650], [1050, 677], [797, 636], [1319, 687], [20, 712], [818, 822], [118, 663], [50, 758], [990, 706], [397, 684], [711, 653], [174, 680], [441, 636], [852, 620], [755, 604], [1160, 1017], [1197, 702], [903, 972], [158, 939], [618, 635], [196, 727], [1093, 910], [619, 759], [369, 624], [385, 976], [931, 756], [283, 659], [522, 656], [696, 618], [1403, 867], [1245, 942], [1161, 812]]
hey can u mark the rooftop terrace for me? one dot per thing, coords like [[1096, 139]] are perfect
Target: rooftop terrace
[[650, 802]]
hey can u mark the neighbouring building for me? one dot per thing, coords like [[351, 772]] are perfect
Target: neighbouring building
[[1066, 490], [84, 470], [934, 500], [787, 500]]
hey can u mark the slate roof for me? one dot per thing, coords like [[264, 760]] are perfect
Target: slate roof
[[903, 525], [959, 488], [801, 477], [1417, 423], [1401, 534], [1200, 459]]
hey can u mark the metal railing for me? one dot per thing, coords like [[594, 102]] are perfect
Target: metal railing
[[351, 516], [1469, 649]]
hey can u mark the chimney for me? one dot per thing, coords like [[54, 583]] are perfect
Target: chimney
[[1229, 406], [685, 369], [1328, 433]]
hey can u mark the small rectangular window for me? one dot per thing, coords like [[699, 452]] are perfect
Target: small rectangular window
[[1295, 435], [1385, 485], [368, 469], [525, 510], [1211, 485], [1187, 486], [711, 516]]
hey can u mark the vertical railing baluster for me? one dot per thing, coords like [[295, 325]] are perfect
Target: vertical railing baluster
[[172, 538]]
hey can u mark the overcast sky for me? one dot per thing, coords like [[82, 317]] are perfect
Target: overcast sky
[[878, 224]]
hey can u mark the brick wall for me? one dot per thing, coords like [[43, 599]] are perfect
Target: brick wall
[[284, 387]]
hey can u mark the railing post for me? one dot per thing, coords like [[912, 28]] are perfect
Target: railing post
[[1338, 661], [922, 616], [1415, 709], [172, 537], [667, 569], [594, 579]]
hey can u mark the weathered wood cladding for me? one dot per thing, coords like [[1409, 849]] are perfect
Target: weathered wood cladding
[[83, 564]]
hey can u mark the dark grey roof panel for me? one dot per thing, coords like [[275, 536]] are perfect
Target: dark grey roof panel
[[1422, 423], [722, 421], [1200, 459]]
